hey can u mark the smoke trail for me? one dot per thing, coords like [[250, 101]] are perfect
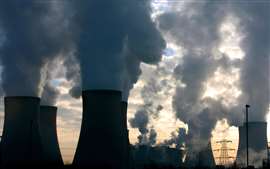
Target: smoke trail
[[111, 48], [35, 32]]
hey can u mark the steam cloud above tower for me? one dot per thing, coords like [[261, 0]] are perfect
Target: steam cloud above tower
[[112, 47], [34, 33]]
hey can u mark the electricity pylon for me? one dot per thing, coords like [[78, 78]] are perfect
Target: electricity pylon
[[224, 158]]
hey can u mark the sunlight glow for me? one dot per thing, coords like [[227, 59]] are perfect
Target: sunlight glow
[[224, 86], [231, 39]]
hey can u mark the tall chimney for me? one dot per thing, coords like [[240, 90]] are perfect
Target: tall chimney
[[101, 139], [48, 132], [21, 143], [257, 136]]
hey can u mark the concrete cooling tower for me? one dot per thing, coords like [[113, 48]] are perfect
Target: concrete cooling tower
[[257, 137], [51, 154], [21, 143], [102, 135]]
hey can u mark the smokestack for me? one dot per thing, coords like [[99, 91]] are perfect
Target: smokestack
[[21, 143], [126, 148], [48, 132], [257, 136], [100, 144]]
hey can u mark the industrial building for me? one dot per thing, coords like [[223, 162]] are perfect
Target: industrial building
[[144, 155], [51, 150], [103, 136], [257, 143]]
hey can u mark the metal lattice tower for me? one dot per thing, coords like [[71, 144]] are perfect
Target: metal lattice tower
[[224, 158]]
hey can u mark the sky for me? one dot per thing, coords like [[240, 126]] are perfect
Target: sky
[[199, 84]]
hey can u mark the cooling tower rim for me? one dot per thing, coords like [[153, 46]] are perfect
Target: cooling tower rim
[[105, 91], [21, 97]]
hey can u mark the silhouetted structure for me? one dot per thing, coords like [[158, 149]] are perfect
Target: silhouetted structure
[[163, 156], [126, 146], [21, 143], [51, 150], [102, 136], [257, 143]]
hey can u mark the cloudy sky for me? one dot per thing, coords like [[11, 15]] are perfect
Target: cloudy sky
[[215, 61]]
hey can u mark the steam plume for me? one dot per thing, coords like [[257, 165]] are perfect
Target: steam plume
[[35, 32], [111, 48], [196, 29]]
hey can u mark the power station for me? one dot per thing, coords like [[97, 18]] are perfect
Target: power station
[[144, 155], [30, 137]]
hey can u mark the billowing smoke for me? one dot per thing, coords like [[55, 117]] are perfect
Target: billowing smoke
[[111, 48], [196, 28], [198, 35], [255, 73], [50, 93], [149, 109], [35, 33], [72, 75], [177, 139], [140, 121], [152, 137]]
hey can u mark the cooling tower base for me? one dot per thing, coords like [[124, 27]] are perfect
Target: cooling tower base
[[102, 136]]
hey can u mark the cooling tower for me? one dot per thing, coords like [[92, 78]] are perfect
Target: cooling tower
[[257, 137], [51, 150], [21, 143], [101, 139]]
